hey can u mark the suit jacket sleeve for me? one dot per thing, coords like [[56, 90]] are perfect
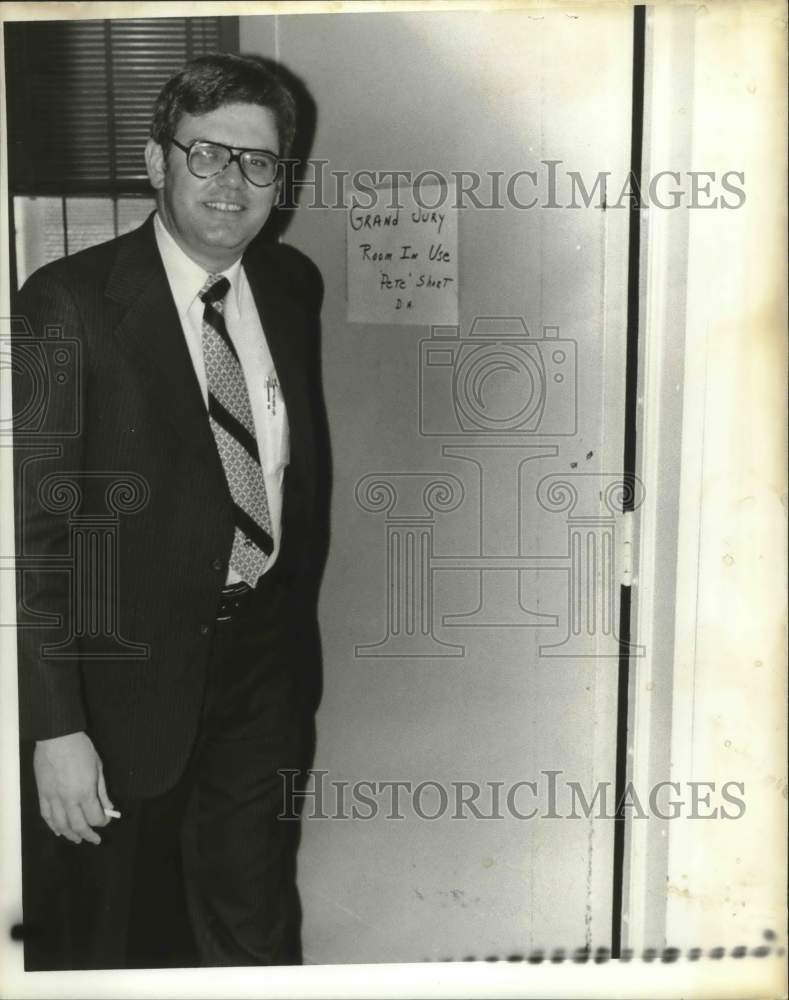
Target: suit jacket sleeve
[[49, 441]]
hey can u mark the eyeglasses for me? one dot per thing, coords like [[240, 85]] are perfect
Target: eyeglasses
[[206, 159]]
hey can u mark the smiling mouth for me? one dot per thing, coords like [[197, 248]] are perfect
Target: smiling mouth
[[224, 206]]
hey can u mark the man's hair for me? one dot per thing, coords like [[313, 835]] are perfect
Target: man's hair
[[209, 82]]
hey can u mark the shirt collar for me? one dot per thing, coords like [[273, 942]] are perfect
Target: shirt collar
[[186, 277]]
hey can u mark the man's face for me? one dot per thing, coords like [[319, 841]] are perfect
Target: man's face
[[214, 219]]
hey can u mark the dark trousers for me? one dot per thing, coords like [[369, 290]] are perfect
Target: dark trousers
[[206, 873]]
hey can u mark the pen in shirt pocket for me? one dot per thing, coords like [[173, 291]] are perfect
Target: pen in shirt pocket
[[272, 391]]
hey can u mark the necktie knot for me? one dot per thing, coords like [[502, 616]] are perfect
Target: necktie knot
[[215, 288]]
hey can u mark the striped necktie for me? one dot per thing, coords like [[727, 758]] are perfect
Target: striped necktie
[[230, 414]]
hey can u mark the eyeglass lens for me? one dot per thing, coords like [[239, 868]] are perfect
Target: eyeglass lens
[[207, 159]]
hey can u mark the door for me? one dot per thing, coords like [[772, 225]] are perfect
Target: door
[[469, 610]]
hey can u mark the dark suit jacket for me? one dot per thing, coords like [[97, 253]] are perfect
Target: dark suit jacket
[[139, 417]]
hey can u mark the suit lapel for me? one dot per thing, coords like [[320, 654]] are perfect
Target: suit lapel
[[150, 335]]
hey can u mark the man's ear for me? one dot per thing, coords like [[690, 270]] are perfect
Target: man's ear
[[155, 164]]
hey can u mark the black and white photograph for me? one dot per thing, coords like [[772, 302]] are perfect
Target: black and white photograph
[[393, 526]]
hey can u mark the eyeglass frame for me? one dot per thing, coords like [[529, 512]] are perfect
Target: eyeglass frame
[[235, 157]]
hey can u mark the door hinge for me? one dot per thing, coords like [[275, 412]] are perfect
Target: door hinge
[[626, 551]]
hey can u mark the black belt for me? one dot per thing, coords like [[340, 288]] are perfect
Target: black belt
[[235, 601]]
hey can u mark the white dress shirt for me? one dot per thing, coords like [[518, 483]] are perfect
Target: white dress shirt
[[186, 280]]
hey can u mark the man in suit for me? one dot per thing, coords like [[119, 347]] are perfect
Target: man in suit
[[197, 391]]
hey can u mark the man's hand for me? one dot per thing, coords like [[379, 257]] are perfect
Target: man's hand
[[71, 789]]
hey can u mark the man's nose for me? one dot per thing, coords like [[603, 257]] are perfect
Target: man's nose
[[231, 176]]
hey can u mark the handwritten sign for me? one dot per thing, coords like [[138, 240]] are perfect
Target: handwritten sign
[[403, 258]]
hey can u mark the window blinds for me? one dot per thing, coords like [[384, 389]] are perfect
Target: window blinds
[[80, 95]]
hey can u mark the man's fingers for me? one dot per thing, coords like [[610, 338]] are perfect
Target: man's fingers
[[58, 816], [79, 825], [94, 813], [104, 799], [46, 815], [60, 822]]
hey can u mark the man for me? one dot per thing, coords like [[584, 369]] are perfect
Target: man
[[198, 392]]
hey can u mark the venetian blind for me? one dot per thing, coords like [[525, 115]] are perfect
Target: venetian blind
[[80, 95]]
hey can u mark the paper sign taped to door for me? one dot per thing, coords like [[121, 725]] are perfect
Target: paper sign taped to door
[[403, 256]]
